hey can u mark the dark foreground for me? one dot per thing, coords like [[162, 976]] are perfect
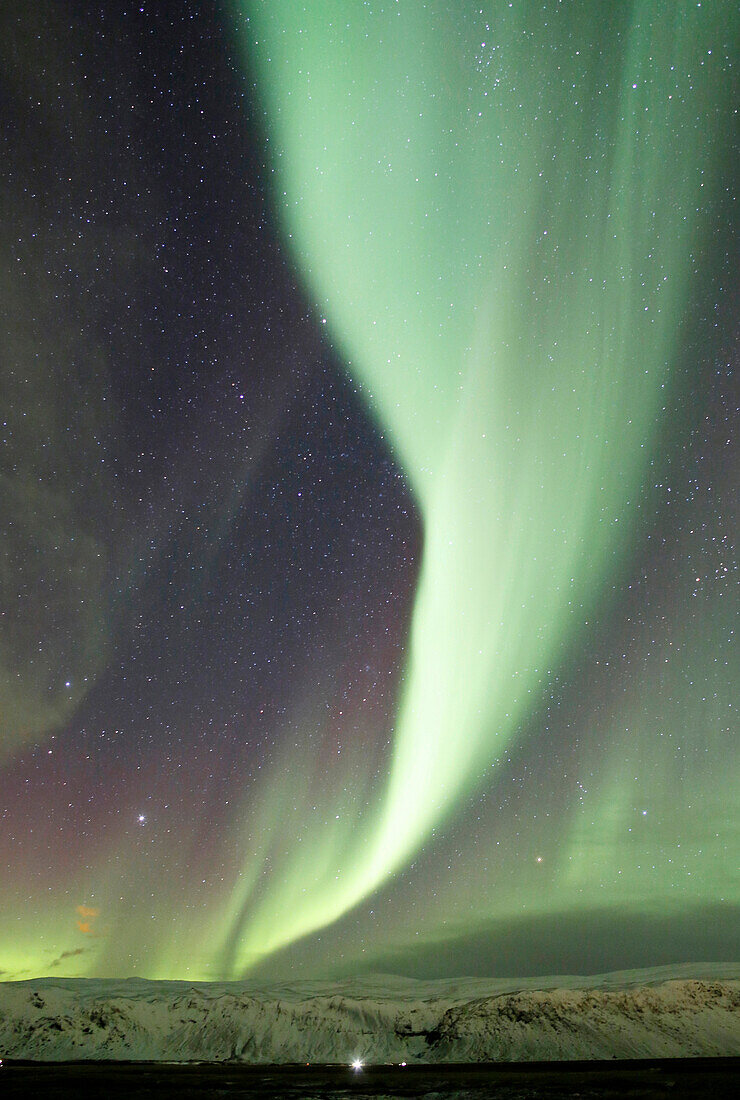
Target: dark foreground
[[715, 1078]]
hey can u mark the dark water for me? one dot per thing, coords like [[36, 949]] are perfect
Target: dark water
[[712, 1078]]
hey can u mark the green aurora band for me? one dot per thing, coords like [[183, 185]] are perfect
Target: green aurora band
[[498, 209]]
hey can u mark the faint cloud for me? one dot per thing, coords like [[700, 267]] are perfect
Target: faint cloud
[[68, 955], [86, 917]]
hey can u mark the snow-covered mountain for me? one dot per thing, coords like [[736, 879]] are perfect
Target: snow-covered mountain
[[669, 1012]]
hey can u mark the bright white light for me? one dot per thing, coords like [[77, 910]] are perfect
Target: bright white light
[[357, 1065]]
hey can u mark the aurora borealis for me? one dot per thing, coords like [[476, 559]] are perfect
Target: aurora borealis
[[368, 583]]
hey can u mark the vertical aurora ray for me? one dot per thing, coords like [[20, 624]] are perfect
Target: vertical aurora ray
[[499, 210]]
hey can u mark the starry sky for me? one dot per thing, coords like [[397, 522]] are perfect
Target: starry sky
[[367, 577]]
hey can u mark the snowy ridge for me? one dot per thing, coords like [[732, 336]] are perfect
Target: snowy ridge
[[670, 1012]]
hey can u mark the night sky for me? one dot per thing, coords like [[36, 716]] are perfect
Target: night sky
[[367, 498]]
